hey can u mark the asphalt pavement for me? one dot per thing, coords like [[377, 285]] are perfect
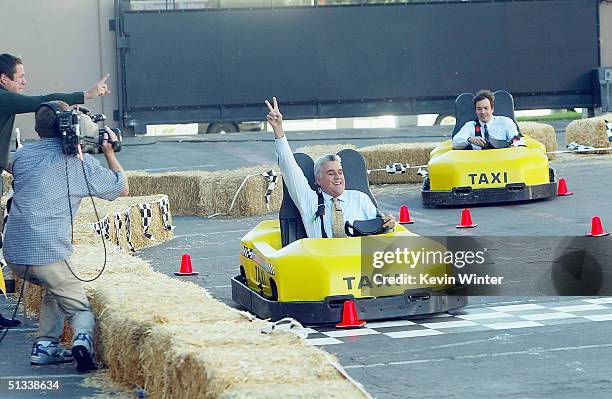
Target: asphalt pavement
[[520, 345]]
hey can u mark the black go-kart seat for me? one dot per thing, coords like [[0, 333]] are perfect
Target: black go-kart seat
[[355, 176], [464, 108]]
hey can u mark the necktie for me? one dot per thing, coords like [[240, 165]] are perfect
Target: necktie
[[486, 132], [337, 219]]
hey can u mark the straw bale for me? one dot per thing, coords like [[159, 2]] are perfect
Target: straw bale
[[203, 367], [205, 193], [379, 156], [589, 132], [7, 179], [333, 389], [317, 151], [127, 306], [84, 233], [542, 132]]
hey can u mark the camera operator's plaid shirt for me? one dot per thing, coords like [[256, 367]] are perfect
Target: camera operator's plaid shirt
[[38, 229]]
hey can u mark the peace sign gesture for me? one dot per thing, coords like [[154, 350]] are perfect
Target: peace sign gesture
[[275, 118]]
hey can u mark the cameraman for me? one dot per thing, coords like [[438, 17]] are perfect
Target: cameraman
[[38, 243]]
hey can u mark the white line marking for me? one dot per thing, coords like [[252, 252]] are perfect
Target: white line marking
[[450, 324], [350, 333], [413, 333], [481, 355], [599, 317], [599, 300], [484, 316], [391, 323], [547, 316], [579, 308], [514, 324], [323, 341], [517, 308]]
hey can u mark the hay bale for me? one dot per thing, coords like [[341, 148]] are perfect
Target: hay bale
[[322, 389], [589, 132], [379, 156], [204, 193], [84, 232], [204, 361], [7, 180], [542, 132]]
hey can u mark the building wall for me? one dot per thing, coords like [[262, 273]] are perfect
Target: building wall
[[65, 45]]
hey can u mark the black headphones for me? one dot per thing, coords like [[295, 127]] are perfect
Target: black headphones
[[56, 111]]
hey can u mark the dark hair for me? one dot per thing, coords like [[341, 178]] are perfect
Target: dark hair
[[7, 65], [46, 120], [485, 95]]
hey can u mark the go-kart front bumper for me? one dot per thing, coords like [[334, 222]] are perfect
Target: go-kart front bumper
[[329, 311], [460, 196]]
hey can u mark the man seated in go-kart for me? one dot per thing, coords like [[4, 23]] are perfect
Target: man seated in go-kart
[[487, 131], [340, 205]]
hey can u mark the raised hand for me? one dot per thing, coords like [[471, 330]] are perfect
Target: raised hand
[[275, 118], [99, 89]]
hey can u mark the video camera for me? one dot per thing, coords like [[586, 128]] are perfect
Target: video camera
[[80, 127]]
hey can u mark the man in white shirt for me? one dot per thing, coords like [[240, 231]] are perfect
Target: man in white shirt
[[488, 131], [347, 205]]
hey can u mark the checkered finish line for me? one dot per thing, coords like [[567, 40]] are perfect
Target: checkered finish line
[[491, 318], [609, 129]]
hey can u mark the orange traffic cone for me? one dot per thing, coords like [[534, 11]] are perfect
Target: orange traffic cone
[[186, 269], [562, 188], [405, 215], [466, 220], [596, 228], [349, 316]]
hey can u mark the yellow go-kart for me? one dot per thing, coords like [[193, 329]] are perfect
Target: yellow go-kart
[[285, 274], [462, 177]]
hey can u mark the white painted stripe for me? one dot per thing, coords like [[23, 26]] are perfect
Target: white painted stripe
[[391, 323], [513, 324], [484, 316], [42, 376], [413, 333], [350, 333], [450, 324], [481, 355], [547, 316], [599, 300], [323, 341], [599, 317], [579, 308], [304, 330], [517, 308]]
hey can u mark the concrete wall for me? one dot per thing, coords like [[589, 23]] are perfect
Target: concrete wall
[[605, 31], [65, 45]]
